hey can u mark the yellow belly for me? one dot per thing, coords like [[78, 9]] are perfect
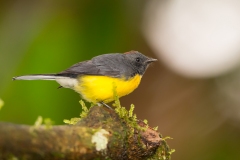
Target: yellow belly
[[100, 88]]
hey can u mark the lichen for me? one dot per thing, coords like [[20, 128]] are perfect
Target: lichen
[[100, 140]]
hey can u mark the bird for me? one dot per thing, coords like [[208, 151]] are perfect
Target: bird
[[95, 79]]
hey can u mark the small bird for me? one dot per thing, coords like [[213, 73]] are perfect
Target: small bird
[[94, 79]]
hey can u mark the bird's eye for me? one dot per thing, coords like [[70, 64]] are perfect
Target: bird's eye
[[137, 59]]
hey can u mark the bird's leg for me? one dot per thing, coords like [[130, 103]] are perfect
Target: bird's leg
[[104, 104], [60, 87]]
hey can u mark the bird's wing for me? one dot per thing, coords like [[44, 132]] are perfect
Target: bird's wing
[[91, 67]]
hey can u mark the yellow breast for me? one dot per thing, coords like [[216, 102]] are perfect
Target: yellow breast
[[100, 88]]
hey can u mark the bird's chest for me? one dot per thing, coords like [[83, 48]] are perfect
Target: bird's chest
[[100, 88]]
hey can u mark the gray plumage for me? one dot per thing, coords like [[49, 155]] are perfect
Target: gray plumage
[[114, 65]]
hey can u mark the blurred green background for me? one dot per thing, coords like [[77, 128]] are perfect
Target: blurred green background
[[49, 36]]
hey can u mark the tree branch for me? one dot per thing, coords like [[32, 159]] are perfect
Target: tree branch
[[101, 134]]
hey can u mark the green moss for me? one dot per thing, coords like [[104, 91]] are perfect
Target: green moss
[[84, 109], [48, 123], [36, 125], [38, 122], [155, 128], [127, 128], [130, 113], [146, 123], [83, 114], [163, 152], [72, 121], [116, 97]]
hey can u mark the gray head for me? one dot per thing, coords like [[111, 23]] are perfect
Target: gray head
[[138, 62], [124, 65]]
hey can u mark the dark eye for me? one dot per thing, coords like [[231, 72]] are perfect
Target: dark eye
[[137, 59]]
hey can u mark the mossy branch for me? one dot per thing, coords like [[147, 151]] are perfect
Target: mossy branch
[[101, 134]]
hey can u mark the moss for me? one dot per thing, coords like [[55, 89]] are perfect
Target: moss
[[83, 114], [163, 152], [122, 112], [48, 123], [85, 110], [127, 116], [130, 113], [38, 122], [155, 128], [72, 121], [130, 127]]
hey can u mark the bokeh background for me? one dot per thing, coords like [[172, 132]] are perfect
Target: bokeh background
[[192, 93]]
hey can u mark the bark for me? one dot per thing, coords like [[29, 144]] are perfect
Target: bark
[[85, 140]]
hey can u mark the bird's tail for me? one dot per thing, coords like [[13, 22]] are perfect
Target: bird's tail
[[38, 77]]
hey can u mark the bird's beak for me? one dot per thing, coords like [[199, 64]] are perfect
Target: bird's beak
[[150, 60]]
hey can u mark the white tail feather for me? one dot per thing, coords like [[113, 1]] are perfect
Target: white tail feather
[[66, 82], [37, 77]]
